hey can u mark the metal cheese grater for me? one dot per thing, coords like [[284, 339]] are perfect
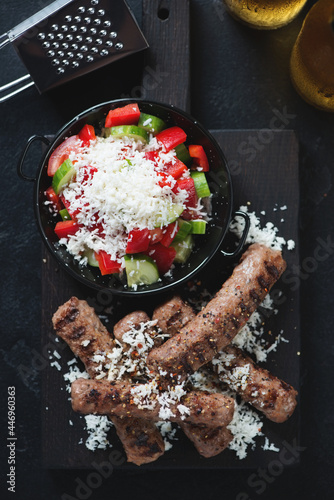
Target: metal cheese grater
[[70, 38]]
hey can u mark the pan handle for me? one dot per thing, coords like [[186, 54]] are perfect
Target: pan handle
[[244, 235], [24, 154]]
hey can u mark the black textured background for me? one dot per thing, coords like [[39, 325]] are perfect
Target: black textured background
[[238, 78]]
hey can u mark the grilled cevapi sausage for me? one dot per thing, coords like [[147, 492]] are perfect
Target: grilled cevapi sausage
[[217, 324], [132, 320], [270, 395], [135, 320], [102, 397], [141, 440], [170, 317], [273, 397], [76, 322], [209, 441]]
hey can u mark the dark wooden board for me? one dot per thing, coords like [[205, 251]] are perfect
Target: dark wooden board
[[267, 182], [166, 76], [263, 176]]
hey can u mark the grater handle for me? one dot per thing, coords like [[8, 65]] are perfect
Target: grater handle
[[4, 40]]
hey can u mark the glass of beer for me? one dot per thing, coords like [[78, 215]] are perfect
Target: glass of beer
[[312, 58], [264, 14]]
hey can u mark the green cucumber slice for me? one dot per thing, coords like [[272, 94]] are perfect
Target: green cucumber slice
[[198, 226], [127, 131], [151, 123], [184, 229], [173, 212], [201, 185], [64, 214], [140, 270], [182, 153], [63, 175], [91, 260], [183, 249]]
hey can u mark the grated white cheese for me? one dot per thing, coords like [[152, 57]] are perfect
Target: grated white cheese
[[142, 395], [56, 365], [168, 433], [245, 426], [97, 427], [73, 374], [130, 358], [204, 380], [99, 358], [236, 378], [170, 397], [250, 337], [269, 446], [148, 395], [72, 361], [267, 235], [148, 121], [121, 194]]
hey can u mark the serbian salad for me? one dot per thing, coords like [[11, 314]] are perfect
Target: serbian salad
[[132, 198]]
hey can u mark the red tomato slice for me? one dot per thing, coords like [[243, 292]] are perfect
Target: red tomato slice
[[67, 205], [138, 241], [99, 227], [192, 199], [54, 198], [199, 156], [106, 264], [164, 180], [127, 115], [87, 134], [156, 235], [169, 234], [176, 169], [62, 152], [171, 137], [66, 228], [152, 155], [163, 256]]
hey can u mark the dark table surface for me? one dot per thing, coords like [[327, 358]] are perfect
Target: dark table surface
[[239, 80]]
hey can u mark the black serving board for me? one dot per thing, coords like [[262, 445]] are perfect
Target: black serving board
[[266, 178]]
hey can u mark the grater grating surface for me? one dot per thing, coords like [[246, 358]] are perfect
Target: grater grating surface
[[70, 38]]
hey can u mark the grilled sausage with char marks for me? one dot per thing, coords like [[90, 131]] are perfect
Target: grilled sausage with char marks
[[101, 397], [217, 324], [77, 323], [273, 397], [208, 441], [268, 394], [171, 316], [134, 321]]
